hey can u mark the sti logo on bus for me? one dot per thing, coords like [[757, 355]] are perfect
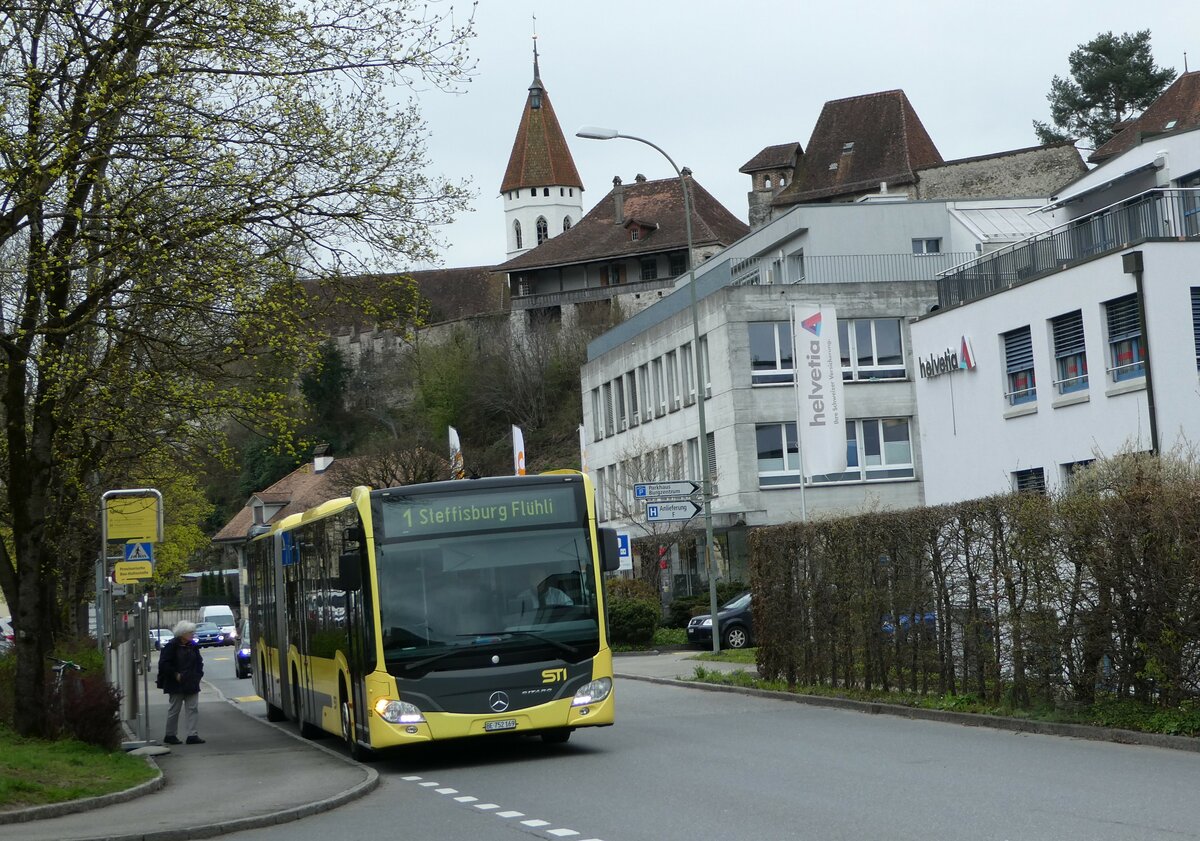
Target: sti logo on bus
[[553, 675]]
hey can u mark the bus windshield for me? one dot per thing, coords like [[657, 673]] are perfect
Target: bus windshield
[[523, 586]]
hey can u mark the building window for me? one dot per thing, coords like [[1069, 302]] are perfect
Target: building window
[[571, 192], [711, 443], [872, 349], [601, 500], [1071, 469], [1126, 353], [704, 367], [562, 191], [649, 269], [619, 393], [767, 182], [927, 245], [1070, 356], [1196, 322], [672, 382], [543, 230], [634, 406], [770, 352], [517, 232], [678, 264], [782, 180], [660, 391], [1018, 365], [1032, 480], [877, 449], [647, 407], [597, 417], [566, 223], [533, 193], [634, 233], [546, 191], [693, 459], [608, 409], [687, 365]]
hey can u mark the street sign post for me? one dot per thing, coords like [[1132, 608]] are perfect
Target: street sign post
[[658, 512], [624, 551], [653, 491]]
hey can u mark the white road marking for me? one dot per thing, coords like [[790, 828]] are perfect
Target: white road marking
[[535, 822], [511, 814], [487, 806], [447, 791], [466, 799], [431, 785], [532, 823], [410, 779], [561, 833]]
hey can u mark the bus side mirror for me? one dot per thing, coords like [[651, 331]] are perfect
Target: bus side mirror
[[610, 551], [350, 571]]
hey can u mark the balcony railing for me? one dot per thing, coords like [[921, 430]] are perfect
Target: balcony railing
[[592, 293], [846, 268], [1155, 214]]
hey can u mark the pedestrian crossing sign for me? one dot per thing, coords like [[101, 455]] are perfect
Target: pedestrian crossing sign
[[139, 552]]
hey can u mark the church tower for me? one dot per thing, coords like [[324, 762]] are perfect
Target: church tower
[[541, 191]]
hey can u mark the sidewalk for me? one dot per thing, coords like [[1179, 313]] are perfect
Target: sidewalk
[[671, 665], [248, 774]]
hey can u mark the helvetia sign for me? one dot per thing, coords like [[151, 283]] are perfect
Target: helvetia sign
[[949, 360]]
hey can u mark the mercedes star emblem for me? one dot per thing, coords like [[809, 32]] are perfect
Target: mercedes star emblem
[[498, 701]]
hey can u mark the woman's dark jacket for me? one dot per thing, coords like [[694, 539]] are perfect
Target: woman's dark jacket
[[184, 660]]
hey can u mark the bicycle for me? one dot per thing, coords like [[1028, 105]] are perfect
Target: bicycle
[[59, 668]]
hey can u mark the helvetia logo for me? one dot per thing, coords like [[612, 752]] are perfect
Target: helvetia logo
[[812, 324], [966, 355]]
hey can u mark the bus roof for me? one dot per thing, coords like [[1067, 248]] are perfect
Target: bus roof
[[557, 477]]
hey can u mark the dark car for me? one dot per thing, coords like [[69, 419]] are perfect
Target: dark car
[[737, 629], [209, 634], [241, 655]]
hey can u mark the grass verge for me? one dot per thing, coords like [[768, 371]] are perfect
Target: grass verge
[[1110, 712], [35, 772], [662, 637], [730, 655]]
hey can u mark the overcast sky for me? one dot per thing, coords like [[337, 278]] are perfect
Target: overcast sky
[[714, 82]]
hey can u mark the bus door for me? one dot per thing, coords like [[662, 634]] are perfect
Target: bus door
[[359, 645]]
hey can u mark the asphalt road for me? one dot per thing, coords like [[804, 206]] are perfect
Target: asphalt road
[[688, 765]]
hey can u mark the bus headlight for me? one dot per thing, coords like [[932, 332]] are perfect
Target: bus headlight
[[398, 712], [593, 693]]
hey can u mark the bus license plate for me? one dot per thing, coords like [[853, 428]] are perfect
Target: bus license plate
[[502, 724]]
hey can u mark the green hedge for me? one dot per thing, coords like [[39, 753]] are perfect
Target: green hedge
[[1023, 599]]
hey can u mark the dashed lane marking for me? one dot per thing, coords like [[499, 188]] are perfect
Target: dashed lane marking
[[561, 833], [447, 791], [487, 806], [531, 823], [510, 814], [536, 822]]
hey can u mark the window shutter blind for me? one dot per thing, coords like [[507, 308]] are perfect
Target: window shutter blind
[[1018, 350], [1068, 334], [1196, 321], [1123, 320], [1032, 480]]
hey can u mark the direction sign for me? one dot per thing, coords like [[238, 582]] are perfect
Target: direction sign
[[657, 512], [130, 572], [648, 491]]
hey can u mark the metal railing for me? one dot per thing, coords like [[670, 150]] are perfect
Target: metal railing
[[1154, 214], [846, 268], [591, 293]]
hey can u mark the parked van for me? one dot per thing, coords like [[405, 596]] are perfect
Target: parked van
[[221, 615]]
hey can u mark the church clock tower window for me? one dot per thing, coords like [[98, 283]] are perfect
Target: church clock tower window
[[543, 230], [517, 231]]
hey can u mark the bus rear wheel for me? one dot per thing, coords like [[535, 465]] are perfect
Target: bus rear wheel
[[307, 730]]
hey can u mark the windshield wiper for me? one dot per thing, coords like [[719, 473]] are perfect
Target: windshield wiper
[[561, 646], [425, 661]]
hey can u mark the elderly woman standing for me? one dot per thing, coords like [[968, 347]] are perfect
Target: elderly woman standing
[[180, 668]]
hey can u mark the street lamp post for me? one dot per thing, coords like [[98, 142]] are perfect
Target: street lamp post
[[593, 133]]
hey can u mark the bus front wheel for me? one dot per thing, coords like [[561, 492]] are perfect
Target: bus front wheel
[[357, 751], [556, 737]]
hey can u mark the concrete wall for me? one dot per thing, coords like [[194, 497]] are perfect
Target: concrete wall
[[972, 439]]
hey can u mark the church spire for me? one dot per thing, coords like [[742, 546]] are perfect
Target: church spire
[[540, 155]]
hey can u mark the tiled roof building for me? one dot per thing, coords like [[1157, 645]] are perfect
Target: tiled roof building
[[542, 190], [1177, 109], [631, 245]]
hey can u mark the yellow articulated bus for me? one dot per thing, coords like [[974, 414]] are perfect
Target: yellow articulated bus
[[406, 615]]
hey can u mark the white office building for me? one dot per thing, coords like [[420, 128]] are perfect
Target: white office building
[[1085, 339]]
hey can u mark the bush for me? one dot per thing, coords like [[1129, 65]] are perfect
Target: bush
[[87, 709], [629, 588], [632, 621]]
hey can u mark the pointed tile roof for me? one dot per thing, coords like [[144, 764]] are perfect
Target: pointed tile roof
[[889, 143], [1176, 109], [540, 155], [597, 236], [773, 157]]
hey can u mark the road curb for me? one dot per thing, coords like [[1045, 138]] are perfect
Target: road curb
[[996, 722], [211, 830], [86, 804]]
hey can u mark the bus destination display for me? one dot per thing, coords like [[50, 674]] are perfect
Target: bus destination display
[[513, 508]]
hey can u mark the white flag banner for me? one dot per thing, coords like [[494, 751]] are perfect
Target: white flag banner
[[457, 470], [518, 451], [582, 450], [821, 416]]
